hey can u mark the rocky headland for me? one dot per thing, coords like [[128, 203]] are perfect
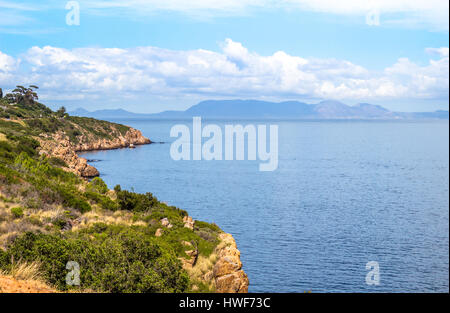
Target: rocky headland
[[60, 146]]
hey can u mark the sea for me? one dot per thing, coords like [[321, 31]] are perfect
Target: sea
[[354, 206]]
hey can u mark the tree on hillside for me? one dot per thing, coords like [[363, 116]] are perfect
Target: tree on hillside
[[61, 111], [22, 95]]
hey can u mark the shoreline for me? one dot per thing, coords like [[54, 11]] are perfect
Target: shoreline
[[226, 273], [60, 146]]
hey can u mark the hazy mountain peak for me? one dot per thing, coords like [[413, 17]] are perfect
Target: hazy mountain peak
[[239, 108]]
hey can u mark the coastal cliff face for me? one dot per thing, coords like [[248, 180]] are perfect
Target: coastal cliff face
[[228, 274], [131, 137], [60, 146], [222, 270]]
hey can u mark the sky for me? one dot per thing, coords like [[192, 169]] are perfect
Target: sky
[[155, 55]]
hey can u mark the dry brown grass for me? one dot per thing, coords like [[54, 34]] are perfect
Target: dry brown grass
[[25, 271], [24, 277], [11, 285], [108, 217], [202, 270], [11, 227]]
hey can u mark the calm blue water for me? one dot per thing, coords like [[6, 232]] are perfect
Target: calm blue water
[[344, 194]]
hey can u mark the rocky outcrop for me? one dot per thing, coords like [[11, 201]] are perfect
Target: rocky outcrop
[[132, 137], [59, 146], [165, 222], [188, 222], [192, 255], [158, 232], [227, 272]]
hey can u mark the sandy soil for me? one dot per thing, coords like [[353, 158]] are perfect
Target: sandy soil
[[11, 285]]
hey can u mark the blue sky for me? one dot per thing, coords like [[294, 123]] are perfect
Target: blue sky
[[172, 54]]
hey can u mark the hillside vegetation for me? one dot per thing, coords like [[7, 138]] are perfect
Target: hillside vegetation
[[123, 241]]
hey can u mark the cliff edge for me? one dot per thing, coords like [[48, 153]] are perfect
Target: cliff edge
[[59, 145], [228, 274]]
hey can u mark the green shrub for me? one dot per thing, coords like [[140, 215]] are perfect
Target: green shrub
[[97, 185], [111, 259], [17, 212], [213, 227], [4, 260], [57, 162], [132, 201], [28, 145], [72, 199], [104, 201], [7, 175]]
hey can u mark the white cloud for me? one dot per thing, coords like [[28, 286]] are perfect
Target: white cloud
[[442, 52], [412, 13], [90, 73], [7, 67], [430, 14]]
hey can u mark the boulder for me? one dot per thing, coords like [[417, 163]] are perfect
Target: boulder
[[188, 222], [227, 265], [236, 282]]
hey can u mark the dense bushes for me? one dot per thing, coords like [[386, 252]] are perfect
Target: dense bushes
[[57, 162], [104, 201], [4, 260], [71, 199], [135, 202], [45, 125], [97, 185], [111, 259], [53, 184]]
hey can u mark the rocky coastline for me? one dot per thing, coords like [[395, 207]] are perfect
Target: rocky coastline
[[226, 274], [229, 277], [60, 146]]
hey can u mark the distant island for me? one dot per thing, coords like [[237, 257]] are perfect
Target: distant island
[[263, 109]]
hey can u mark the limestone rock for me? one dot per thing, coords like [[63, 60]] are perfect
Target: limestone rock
[[227, 265], [59, 145], [158, 232], [234, 282], [191, 260], [227, 272], [188, 222], [186, 243]]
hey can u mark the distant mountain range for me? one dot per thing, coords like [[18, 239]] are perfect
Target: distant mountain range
[[263, 109]]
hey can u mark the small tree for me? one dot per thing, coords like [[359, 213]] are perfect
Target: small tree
[[61, 111], [23, 95]]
